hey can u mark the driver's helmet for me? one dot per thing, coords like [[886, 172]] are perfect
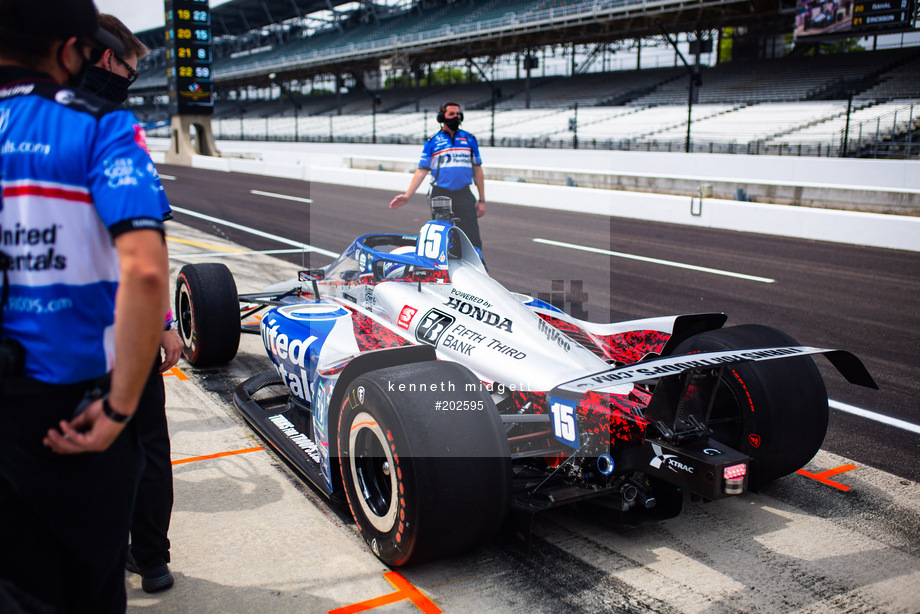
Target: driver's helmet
[[395, 270]]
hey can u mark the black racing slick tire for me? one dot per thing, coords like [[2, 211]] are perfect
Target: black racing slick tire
[[208, 315], [774, 411], [424, 461]]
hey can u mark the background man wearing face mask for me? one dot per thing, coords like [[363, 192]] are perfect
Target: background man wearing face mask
[[114, 73], [452, 157], [84, 280], [148, 555]]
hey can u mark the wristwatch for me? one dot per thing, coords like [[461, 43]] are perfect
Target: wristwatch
[[113, 415]]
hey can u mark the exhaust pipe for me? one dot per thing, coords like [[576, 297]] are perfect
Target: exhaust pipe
[[605, 464]]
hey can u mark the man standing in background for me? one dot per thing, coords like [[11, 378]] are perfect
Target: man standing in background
[[148, 554], [452, 157]]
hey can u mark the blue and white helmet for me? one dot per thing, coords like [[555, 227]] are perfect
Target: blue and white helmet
[[396, 270]]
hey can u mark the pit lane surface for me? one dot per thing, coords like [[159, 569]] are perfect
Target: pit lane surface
[[248, 537], [865, 300]]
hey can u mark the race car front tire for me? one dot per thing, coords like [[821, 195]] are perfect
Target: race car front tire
[[207, 312], [774, 411], [424, 461]]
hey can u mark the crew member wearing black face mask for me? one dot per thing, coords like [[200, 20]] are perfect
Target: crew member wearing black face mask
[[112, 73], [148, 553], [452, 157], [93, 247]]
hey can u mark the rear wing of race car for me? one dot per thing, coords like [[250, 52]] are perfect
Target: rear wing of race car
[[705, 370], [680, 450], [849, 366]]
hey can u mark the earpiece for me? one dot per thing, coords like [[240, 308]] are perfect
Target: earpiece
[[443, 108]]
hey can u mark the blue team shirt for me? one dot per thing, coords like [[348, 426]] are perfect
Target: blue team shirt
[[451, 160], [74, 174]]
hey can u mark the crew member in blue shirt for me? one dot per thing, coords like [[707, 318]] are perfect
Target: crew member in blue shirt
[[452, 157], [84, 281]]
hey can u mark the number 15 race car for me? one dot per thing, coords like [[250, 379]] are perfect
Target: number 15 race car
[[411, 385]]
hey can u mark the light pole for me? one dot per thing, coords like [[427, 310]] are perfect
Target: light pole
[[696, 79], [286, 93], [496, 93]]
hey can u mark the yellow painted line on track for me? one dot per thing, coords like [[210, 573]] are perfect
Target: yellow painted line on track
[[220, 248]]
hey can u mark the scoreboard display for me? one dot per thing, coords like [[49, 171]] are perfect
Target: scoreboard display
[[853, 17], [877, 15], [188, 57]]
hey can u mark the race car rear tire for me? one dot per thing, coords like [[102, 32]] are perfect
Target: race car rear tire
[[207, 311], [774, 411], [424, 461]]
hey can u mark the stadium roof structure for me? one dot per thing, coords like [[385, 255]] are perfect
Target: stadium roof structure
[[429, 31], [240, 16]]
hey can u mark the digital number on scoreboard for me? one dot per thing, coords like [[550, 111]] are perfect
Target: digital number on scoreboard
[[188, 57]]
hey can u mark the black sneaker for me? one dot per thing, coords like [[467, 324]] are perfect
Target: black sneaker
[[156, 579], [152, 580]]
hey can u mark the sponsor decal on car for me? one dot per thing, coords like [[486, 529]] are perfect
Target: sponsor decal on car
[[469, 334], [507, 350], [433, 326], [405, 316], [554, 335], [299, 439], [667, 460], [455, 344], [485, 316], [470, 297], [565, 427], [678, 364]]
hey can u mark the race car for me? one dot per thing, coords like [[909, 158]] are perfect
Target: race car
[[413, 387]]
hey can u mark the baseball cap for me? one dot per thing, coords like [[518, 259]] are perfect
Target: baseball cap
[[57, 19]]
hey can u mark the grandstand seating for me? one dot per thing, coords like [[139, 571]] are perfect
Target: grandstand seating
[[812, 127], [765, 105]]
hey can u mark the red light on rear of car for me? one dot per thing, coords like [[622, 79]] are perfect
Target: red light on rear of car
[[735, 471], [734, 478]]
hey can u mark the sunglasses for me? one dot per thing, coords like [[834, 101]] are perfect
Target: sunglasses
[[132, 73]]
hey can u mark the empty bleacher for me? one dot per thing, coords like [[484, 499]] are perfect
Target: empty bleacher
[[788, 105]]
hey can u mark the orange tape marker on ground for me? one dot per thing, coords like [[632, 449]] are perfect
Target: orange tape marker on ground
[[824, 475], [177, 372], [404, 590], [218, 455]]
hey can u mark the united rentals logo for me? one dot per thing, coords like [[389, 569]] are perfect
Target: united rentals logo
[[483, 315]]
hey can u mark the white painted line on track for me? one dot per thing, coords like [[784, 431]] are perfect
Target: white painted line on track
[[237, 253], [166, 177], [258, 233], [679, 265], [281, 196], [871, 415]]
